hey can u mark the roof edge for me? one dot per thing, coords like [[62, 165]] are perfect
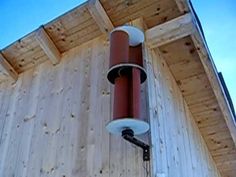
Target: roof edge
[[212, 74]]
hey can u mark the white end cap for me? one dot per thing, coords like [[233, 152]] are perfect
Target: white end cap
[[136, 36], [117, 126]]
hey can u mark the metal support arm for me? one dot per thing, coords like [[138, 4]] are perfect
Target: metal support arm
[[128, 135]]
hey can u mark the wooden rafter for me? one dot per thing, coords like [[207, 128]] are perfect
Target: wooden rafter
[[182, 5], [139, 23], [170, 31], [100, 16], [6, 68], [48, 46]]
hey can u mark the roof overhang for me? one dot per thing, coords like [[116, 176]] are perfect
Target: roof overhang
[[172, 30]]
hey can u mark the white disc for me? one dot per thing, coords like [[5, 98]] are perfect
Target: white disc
[[136, 36], [118, 125]]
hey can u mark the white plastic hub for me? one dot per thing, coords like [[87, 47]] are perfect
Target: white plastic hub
[[117, 126], [136, 36]]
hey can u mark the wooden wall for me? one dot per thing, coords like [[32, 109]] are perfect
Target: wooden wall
[[52, 123], [178, 147]]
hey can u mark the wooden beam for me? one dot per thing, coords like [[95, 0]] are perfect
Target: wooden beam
[[182, 6], [170, 31], [48, 46], [100, 16], [7, 69], [139, 23]]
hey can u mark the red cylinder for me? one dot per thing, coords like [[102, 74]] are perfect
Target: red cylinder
[[127, 95], [127, 74], [135, 55], [135, 94], [121, 97], [119, 48]]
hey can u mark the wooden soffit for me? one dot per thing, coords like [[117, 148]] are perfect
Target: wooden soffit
[[172, 30]]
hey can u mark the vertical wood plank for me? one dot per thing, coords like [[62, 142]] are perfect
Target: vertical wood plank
[[56, 117], [185, 152]]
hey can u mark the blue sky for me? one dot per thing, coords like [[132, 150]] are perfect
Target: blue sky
[[20, 17], [218, 18]]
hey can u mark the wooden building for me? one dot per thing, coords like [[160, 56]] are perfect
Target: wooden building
[[55, 99]]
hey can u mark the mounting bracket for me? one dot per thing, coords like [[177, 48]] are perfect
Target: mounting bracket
[[128, 135]]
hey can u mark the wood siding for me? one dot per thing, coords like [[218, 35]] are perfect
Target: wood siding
[[178, 147], [52, 122]]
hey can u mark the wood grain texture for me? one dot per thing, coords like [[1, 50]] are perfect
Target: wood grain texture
[[58, 108], [85, 23], [100, 16], [183, 5], [178, 147], [6, 70], [170, 31], [48, 46], [52, 121], [195, 84], [154, 12]]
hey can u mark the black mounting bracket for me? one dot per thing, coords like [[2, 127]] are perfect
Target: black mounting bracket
[[128, 135]]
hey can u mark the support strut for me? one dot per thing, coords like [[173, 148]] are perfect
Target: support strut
[[128, 135]]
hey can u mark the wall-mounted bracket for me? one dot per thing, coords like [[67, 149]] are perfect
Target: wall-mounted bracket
[[128, 135]]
